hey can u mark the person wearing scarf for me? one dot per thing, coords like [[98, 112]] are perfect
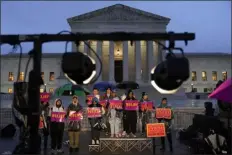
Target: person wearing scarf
[[57, 128], [107, 96], [95, 122], [46, 122], [130, 117], [114, 117], [74, 127], [168, 123], [144, 115]]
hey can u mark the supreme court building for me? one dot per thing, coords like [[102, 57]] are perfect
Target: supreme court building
[[122, 60]]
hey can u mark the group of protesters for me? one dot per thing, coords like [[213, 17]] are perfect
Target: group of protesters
[[110, 120]]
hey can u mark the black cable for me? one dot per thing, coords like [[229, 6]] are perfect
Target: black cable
[[92, 50], [20, 59], [170, 49], [26, 68]]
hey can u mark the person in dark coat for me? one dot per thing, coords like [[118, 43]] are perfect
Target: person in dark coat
[[107, 96], [168, 123], [74, 127], [130, 117], [46, 122], [144, 115], [94, 122], [57, 128]]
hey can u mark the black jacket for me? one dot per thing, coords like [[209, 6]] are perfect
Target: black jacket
[[74, 125]]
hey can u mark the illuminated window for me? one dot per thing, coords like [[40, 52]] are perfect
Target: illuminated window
[[52, 76], [11, 76], [204, 76], [194, 76], [214, 76], [51, 90], [21, 76], [10, 90], [41, 90], [224, 76], [42, 75]]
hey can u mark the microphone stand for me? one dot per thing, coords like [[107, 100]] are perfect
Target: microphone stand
[[35, 80]]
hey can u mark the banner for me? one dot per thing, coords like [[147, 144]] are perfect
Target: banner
[[103, 103], [94, 112], [165, 113], [156, 130], [131, 105], [89, 99], [58, 116], [115, 104], [75, 116], [146, 106], [44, 97]]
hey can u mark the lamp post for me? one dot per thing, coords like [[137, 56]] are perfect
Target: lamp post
[[192, 87], [45, 90]]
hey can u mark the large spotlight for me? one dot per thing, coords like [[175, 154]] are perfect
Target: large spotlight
[[78, 67], [168, 76]]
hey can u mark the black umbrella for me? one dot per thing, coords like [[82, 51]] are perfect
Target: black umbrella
[[128, 85]]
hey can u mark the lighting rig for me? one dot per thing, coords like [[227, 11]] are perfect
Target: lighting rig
[[79, 68]]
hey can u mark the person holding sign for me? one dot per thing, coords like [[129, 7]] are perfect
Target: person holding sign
[[46, 122], [114, 116], [57, 115], [145, 111], [167, 123], [130, 106], [74, 113], [95, 112], [107, 96]]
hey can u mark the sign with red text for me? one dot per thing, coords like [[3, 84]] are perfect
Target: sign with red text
[[165, 113], [75, 116], [156, 130], [115, 104], [103, 103], [44, 97], [89, 99], [94, 112], [146, 106], [131, 105], [58, 116]]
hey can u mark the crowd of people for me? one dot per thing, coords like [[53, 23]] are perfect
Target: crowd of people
[[115, 122]]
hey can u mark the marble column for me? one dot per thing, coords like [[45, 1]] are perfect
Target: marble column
[[150, 59], [157, 53], [99, 53], [111, 62], [125, 61], [86, 48], [138, 61]]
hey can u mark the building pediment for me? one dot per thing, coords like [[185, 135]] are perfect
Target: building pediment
[[117, 13]]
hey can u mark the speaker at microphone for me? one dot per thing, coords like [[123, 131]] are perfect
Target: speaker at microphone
[[168, 76]]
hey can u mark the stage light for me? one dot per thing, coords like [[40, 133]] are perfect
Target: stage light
[[168, 76], [78, 67]]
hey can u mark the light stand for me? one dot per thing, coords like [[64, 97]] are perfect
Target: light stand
[[45, 88], [35, 80]]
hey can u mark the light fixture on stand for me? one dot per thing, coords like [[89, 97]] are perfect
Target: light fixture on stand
[[45, 88]]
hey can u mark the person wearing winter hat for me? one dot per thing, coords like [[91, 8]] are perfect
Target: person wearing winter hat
[[74, 127], [95, 132], [56, 128], [144, 115]]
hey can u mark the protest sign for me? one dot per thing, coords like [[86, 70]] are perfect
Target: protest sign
[[94, 112], [115, 104], [146, 106], [89, 99], [103, 103], [164, 113], [75, 116], [44, 97], [131, 105], [58, 116], [156, 130], [41, 123]]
